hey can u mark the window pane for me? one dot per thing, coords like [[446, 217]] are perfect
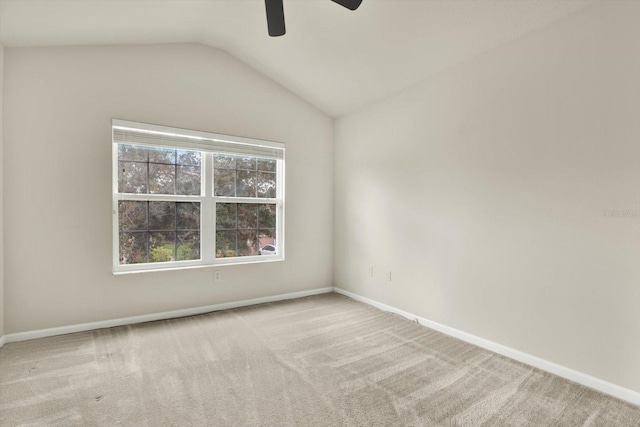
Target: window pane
[[162, 246], [159, 239], [188, 180], [245, 228], [246, 183], [162, 179], [133, 247], [244, 176], [132, 177], [162, 216], [189, 158], [225, 243], [188, 245], [158, 170], [267, 216], [221, 161], [226, 216], [266, 165], [225, 182], [267, 236], [188, 216], [267, 241], [266, 184], [246, 163], [132, 152], [247, 215], [132, 216], [162, 155], [188, 172], [247, 242]]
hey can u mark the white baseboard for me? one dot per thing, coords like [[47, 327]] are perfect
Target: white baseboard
[[42, 333], [545, 365]]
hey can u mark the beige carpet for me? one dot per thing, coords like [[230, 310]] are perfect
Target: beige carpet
[[318, 361]]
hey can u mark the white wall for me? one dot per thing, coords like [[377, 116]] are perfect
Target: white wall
[[484, 191], [59, 103], [1, 201]]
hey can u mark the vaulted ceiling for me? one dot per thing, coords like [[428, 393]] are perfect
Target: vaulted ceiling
[[336, 59]]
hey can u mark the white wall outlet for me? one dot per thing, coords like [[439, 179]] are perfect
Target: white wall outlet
[[388, 276], [371, 271], [217, 275]]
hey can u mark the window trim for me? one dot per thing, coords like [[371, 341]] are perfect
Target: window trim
[[207, 143]]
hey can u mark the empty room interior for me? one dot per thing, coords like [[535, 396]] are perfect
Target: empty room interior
[[320, 212]]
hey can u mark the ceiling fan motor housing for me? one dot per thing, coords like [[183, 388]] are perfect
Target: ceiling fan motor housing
[[275, 14]]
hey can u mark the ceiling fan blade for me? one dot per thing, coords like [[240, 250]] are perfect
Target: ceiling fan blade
[[349, 4], [275, 17]]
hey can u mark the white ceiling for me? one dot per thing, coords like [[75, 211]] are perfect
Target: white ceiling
[[336, 59]]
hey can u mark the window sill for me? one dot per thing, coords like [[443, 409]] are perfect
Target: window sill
[[236, 261]]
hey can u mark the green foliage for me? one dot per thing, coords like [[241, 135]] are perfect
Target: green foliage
[[184, 253], [161, 254], [226, 253]]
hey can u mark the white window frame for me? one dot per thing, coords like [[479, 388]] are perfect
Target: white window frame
[[208, 144]]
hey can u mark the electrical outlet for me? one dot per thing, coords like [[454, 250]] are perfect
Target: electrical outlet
[[388, 276], [371, 271], [217, 275]]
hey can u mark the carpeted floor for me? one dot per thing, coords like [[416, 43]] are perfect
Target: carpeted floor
[[318, 361]]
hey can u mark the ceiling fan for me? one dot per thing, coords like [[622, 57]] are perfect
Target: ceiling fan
[[275, 14]]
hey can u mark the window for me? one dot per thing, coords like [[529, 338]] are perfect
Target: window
[[186, 198]]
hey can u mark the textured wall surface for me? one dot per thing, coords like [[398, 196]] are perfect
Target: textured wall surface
[[1, 201], [59, 103], [503, 195]]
